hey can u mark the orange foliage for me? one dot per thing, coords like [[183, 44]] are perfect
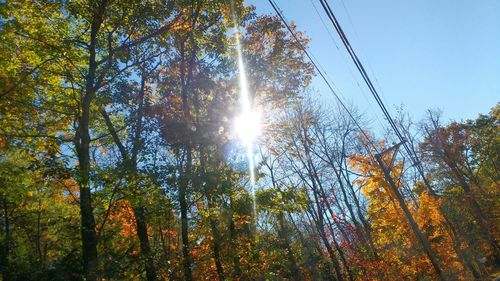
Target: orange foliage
[[122, 216], [400, 256]]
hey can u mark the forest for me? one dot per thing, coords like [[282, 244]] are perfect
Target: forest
[[182, 140]]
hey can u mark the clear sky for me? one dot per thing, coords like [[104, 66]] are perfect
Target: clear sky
[[421, 53]]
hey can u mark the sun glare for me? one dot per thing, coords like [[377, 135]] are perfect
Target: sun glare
[[248, 127]]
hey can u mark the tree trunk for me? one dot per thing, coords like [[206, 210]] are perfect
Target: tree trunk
[[186, 175], [319, 221], [82, 144], [464, 257], [320, 226], [236, 258], [361, 230], [142, 233], [476, 210], [5, 246], [366, 225], [139, 211], [89, 239], [283, 233], [184, 217], [216, 249], [330, 251]]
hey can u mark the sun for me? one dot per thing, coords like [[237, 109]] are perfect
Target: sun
[[247, 127]]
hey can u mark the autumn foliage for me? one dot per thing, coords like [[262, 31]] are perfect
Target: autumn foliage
[[119, 158]]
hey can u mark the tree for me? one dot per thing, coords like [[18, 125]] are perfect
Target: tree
[[450, 150], [119, 158]]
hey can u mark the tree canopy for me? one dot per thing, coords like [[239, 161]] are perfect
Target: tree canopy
[[120, 160]]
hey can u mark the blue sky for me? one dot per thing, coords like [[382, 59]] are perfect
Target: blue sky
[[421, 53]]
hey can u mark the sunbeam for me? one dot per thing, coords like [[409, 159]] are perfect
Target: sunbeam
[[247, 124]]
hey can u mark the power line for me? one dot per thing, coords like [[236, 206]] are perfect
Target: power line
[[370, 85], [378, 156], [359, 65], [357, 62], [319, 70], [345, 63]]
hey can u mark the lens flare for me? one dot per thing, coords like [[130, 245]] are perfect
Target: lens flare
[[247, 125]]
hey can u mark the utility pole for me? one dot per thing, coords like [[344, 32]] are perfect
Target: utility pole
[[422, 239]]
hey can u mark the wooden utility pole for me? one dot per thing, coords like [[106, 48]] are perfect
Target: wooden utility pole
[[422, 239]]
